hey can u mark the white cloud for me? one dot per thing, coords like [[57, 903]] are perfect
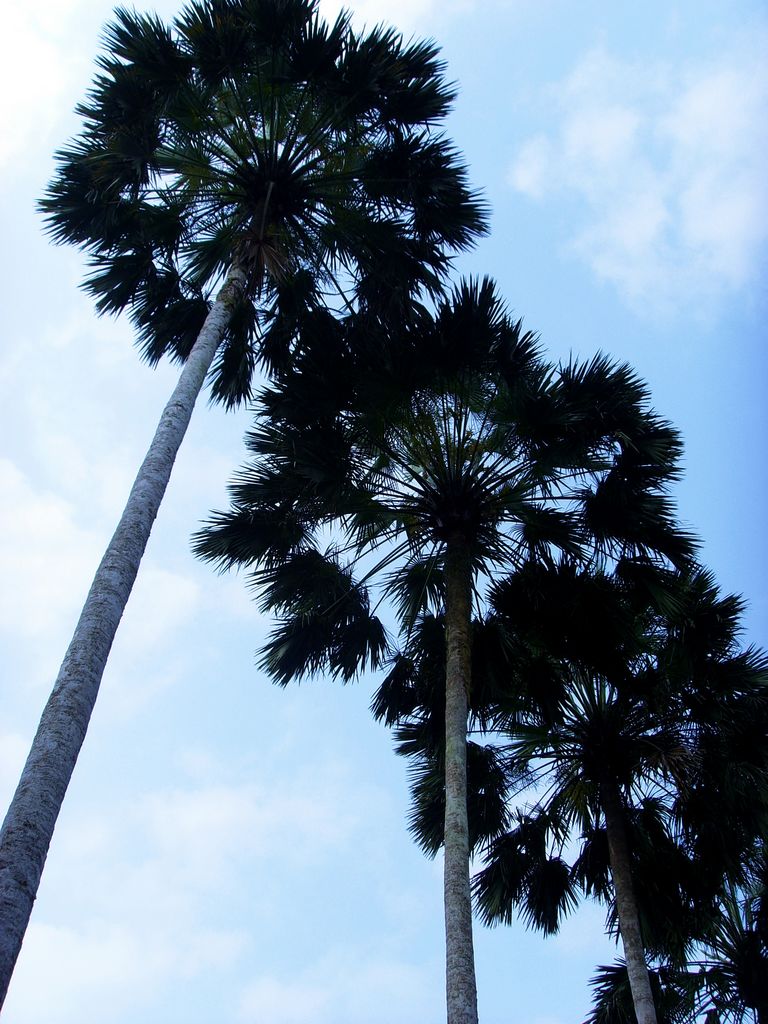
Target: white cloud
[[47, 562], [193, 883], [533, 172], [667, 166], [145, 893], [87, 414], [161, 602], [114, 968], [45, 557], [345, 987], [32, 72], [406, 15], [278, 1002], [146, 658], [598, 138], [202, 829]]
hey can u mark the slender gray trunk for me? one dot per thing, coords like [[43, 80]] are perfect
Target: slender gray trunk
[[461, 987], [626, 906], [31, 818]]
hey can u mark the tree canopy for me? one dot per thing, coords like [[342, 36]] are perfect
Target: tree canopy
[[252, 134]]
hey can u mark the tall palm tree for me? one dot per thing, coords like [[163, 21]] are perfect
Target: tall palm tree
[[637, 739], [432, 475], [572, 710], [725, 978], [230, 169], [603, 753], [674, 995], [735, 968]]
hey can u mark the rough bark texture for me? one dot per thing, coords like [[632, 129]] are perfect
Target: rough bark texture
[[31, 818], [461, 988], [626, 907]]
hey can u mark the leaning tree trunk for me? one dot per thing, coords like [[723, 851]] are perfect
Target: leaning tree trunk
[[461, 987], [29, 824], [626, 906]]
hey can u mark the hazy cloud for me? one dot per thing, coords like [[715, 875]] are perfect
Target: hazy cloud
[[33, 69], [667, 165], [113, 968], [344, 987], [406, 15], [45, 557], [163, 864], [161, 602], [47, 562]]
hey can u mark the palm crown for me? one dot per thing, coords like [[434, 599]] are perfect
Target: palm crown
[[253, 135], [480, 440]]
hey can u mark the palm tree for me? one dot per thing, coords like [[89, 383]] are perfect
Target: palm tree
[[602, 753], [527, 870], [639, 736], [735, 968], [726, 978], [230, 169], [411, 698], [441, 471], [674, 996]]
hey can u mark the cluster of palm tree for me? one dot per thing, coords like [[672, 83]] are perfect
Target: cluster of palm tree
[[624, 760], [508, 522], [427, 494]]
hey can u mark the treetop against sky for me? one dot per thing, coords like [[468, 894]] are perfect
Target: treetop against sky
[[202, 867]]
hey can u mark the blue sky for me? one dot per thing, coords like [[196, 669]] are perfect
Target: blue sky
[[232, 852]]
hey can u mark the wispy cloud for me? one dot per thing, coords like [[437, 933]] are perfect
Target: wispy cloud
[[43, 555], [145, 894], [47, 561], [406, 15], [32, 70], [666, 164], [344, 986], [116, 968]]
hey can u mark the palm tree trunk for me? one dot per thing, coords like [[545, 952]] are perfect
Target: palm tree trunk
[[626, 906], [461, 987], [31, 818]]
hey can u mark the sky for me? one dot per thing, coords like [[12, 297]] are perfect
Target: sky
[[232, 852]]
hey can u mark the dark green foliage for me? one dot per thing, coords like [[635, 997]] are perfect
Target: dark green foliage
[[656, 696], [487, 811], [725, 978], [525, 876], [401, 439], [251, 134], [674, 996]]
